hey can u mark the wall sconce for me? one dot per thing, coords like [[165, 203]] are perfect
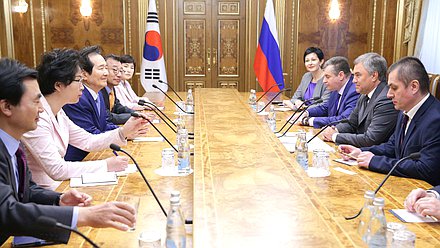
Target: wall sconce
[[334, 12], [86, 8], [22, 7]]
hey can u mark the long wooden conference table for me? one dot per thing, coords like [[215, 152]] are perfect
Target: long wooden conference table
[[247, 190]]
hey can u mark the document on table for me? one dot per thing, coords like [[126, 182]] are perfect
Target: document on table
[[94, 179], [282, 109], [148, 139], [131, 168], [405, 216], [350, 162], [290, 141]]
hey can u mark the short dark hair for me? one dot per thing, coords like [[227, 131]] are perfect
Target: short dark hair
[[12, 74], [339, 63], [127, 58], [373, 62], [59, 65], [112, 56], [85, 62], [409, 69], [314, 50]]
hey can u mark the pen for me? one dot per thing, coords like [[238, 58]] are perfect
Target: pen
[[116, 154], [348, 155], [432, 217]]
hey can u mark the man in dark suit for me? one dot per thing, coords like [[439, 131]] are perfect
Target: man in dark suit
[[90, 111], [21, 200], [374, 118], [424, 202], [343, 96], [418, 128], [116, 112]]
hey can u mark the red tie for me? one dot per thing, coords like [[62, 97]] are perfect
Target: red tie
[[21, 163]]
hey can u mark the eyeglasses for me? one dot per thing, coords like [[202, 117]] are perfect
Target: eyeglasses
[[79, 80], [116, 70]]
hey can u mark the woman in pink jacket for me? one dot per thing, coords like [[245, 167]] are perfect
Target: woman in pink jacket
[[60, 81]]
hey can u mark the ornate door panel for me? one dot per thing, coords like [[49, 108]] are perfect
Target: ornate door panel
[[212, 45]]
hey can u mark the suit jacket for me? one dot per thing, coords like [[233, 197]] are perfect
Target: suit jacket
[[119, 114], [320, 89], [19, 218], [126, 95], [437, 188], [85, 114], [423, 135], [46, 147], [329, 112], [372, 125]]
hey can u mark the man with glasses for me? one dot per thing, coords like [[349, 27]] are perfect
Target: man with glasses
[[117, 113]]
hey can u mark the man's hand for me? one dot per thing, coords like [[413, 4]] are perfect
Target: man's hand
[[428, 206], [73, 197], [288, 104], [349, 152], [117, 163], [328, 133], [364, 159], [134, 127], [413, 197], [118, 215]]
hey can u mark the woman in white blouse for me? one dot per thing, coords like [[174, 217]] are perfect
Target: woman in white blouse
[[60, 81]]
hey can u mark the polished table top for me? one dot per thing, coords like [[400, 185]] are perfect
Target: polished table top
[[247, 190]]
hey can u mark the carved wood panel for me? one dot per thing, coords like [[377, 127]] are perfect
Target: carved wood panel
[[194, 47]]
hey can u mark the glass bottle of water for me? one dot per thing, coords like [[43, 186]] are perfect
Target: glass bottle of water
[[176, 236], [253, 100], [189, 101], [183, 152], [271, 119], [176, 194], [180, 124], [301, 150], [367, 213], [377, 236]]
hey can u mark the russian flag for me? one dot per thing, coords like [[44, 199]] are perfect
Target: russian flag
[[267, 64]]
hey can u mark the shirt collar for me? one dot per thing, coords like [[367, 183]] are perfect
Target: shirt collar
[[108, 89], [92, 92], [412, 112], [371, 93], [341, 91], [10, 142]]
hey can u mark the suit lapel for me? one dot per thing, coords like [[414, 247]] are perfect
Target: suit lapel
[[372, 102], [92, 102], [11, 170], [55, 123], [344, 94]]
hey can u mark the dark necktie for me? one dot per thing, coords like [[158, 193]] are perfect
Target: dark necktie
[[403, 128], [363, 107], [21, 163], [338, 104]]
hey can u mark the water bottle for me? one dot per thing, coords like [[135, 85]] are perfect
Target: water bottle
[[253, 100], [183, 152], [301, 150], [367, 213], [176, 236], [377, 236], [189, 101], [176, 194], [180, 124], [271, 119]]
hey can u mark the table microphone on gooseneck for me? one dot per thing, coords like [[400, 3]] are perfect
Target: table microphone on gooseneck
[[273, 98], [155, 86], [304, 110], [415, 155], [117, 148], [154, 108], [49, 222], [267, 91], [326, 126], [169, 86], [296, 111]]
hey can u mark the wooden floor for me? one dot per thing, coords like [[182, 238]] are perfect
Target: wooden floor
[[247, 190]]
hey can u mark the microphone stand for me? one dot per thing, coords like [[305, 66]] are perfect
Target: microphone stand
[[325, 127], [155, 86], [415, 155], [273, 98], [296, 111], [145, 103], [162, 82], [267, 91]]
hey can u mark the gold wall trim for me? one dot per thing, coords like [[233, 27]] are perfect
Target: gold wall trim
[[373, 28], [294, 40], [175, 47], [43, 24], [248, 38], [384, 16], [143, 9], [9, 29], [399, 29], [280, 15], [124, 23], [34, 53]]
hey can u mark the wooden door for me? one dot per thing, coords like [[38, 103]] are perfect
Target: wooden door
[[212, 44]]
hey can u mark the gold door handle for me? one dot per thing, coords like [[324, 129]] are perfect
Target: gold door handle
[[209, 59], [214, 56]]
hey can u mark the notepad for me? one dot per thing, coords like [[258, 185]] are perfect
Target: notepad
[[156, 121], [148, 139], [131, 168], [282, 109], [348, 172], [103, 177], [350, 162], [405, 216]]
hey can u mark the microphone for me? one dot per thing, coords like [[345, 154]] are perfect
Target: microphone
[[134, 114], [169, 86], [117, 148], [154, 108], [297, 110], [413, 156], [155, 86], [52, 223], [273, 98], [304, 110], [267, 91], [326, 126]]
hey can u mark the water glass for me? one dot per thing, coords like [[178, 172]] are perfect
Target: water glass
[[320, 165], [134, 202], [180, 104], [149, 240], [168, 162], [260, 106], [393, 227], [403, 239]]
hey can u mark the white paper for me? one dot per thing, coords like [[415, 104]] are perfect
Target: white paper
[[282, 109], [405, 216], [191, 146], [263, 113], [148, 139], [168, 173], [156, 121], [344, 171], [350, 162], [78, 182], [131, 168], [181, 113], [101, 177], [289, 143]]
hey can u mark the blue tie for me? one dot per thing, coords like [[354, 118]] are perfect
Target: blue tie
[[98, 105]]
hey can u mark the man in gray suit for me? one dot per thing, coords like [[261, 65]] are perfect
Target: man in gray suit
[[373, 120]]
